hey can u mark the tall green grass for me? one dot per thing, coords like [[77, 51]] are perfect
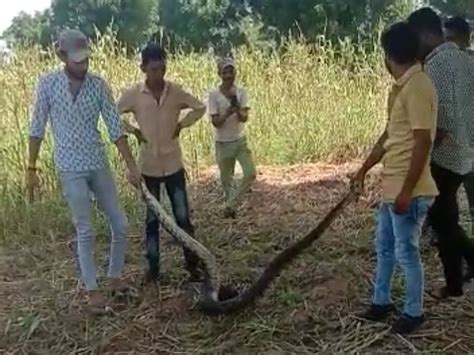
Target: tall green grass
[[309, 103]]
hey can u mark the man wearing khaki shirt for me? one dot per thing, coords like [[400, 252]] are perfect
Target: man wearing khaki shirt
[[156, 105]]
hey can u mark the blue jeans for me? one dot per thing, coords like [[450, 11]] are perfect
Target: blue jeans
[[397, 240], [77, 189], [175, 185]]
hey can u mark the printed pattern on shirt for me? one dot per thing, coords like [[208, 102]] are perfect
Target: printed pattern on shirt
[[452, 72], [74, 123]]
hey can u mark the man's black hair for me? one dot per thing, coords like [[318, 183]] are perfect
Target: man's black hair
[[458, 25], [153, 52], [400, 43], [426, 20]]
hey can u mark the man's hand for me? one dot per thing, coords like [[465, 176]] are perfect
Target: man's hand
[[402, 203], [32, 182], [134, 176], [231, 110], [376, 155]]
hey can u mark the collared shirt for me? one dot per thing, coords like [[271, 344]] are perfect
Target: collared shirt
[[232, 129], [452, 72], [161, 155], [77, 140], [412, 105]]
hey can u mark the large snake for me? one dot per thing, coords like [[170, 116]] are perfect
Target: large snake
[[216, 299]]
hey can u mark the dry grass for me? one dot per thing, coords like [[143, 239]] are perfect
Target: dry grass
[[312, 103], [309, 309]]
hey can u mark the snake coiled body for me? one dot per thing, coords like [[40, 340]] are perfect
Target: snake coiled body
[[212, 299]]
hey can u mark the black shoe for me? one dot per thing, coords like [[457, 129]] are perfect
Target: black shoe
[[377, 313], [407, 324]]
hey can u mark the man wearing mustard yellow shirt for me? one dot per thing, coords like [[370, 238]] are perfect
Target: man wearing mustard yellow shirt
[[408, 187], [156, 105]]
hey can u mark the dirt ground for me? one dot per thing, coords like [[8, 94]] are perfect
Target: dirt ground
[[308, 309]]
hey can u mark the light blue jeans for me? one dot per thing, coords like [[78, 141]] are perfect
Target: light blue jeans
[[77, 189], [397, 240]]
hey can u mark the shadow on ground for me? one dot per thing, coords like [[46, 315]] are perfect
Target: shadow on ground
[[308, 309]]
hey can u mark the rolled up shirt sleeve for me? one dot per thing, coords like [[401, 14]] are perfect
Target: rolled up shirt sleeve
[[197, 108]]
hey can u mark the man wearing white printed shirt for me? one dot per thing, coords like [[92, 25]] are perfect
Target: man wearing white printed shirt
[[72, 99], [457, 30], [452, 72], [228, 108]]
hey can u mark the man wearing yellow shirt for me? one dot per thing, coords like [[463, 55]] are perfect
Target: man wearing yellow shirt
[[408, 187], [156, 105]]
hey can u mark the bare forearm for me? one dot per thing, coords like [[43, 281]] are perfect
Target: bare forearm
[[218, 120], [125, 152], [192, 117], [420, 154], [34, 146], [375, 155]]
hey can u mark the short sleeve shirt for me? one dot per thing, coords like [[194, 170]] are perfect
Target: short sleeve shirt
[[452, 72], [157, 121], [232, 129], [412, 105]]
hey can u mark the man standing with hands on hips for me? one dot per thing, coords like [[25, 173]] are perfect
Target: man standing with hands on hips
[[156, 104], [72, 99]]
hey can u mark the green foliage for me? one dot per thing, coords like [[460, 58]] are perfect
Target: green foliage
[[216, 24], [312, 102], [455, 7], [133, 20], [27, 29]]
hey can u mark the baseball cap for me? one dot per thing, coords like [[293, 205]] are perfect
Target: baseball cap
[[74, 43], [225, 62]]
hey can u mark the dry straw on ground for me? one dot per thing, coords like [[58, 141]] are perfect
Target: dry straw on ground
[[309, 309]]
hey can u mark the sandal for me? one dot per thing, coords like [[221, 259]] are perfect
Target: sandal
[[96, 304], [119, 289]]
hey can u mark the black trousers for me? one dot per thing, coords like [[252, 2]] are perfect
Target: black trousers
[[453, 243], [175, 185], [469, 187]]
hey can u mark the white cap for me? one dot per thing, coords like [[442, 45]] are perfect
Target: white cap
[[74, 43], [223, 63]]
